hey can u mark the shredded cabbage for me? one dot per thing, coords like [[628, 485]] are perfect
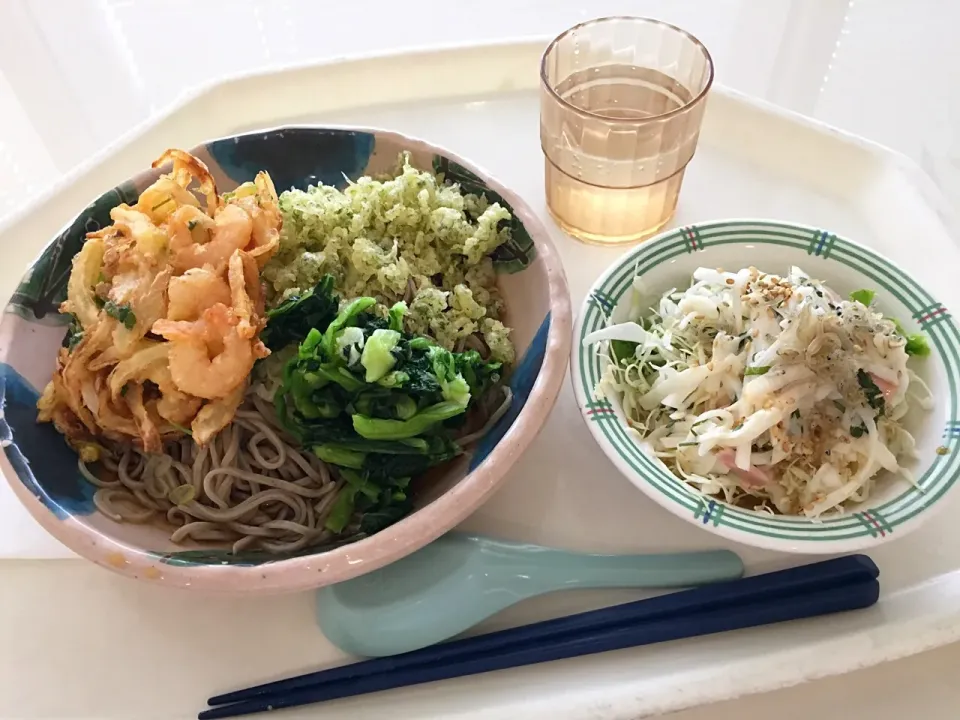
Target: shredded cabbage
[[773, 393]]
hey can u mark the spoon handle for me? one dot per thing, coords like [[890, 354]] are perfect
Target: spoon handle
[[548, 569], [667, 570]]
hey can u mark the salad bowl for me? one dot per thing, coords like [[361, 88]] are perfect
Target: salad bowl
[[897, 504]]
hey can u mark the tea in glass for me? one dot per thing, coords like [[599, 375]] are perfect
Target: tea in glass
[[622, 101]]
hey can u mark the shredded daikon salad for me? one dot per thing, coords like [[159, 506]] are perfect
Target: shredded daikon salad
[[771, 393]]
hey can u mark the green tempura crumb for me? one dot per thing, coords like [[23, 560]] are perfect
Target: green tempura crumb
[[403, 237]]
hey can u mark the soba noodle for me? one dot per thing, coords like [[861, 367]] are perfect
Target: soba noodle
[[249, 486]]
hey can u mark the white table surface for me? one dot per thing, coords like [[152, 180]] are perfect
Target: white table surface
[[60, 63]]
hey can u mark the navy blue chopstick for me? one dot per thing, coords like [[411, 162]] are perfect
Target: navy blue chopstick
[[828, 573], [820, 602], [797, 592]]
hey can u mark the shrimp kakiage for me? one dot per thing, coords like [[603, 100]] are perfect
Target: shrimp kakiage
[[167, 307], [195, 291], [208, 357]]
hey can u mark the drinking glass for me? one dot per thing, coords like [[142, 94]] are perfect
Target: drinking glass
[[621, 104]]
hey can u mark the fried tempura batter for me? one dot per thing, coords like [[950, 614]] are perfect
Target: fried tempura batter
[[167, 309]]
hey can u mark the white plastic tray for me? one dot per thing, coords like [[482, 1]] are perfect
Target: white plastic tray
[[753, 161]]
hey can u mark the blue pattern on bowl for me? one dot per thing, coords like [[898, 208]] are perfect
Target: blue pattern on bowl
[[295, 157], [38, 450], [514, 255], [521, 383], [39, 294]]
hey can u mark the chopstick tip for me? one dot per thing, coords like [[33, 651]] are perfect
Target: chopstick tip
[[867, 563], [219, 700]]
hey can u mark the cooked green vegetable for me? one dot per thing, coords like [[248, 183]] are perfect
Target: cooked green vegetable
[[380, 507], [74, 333], [377, 355], [453, 386], [623, 349], [338, 455], [756, 370], [290, 322], [343, 508], [375, 402], [864, 296], [379, 429], [917, 343], [396, 315], [181, 428], [121, 313], [872, 393], [342, 323]]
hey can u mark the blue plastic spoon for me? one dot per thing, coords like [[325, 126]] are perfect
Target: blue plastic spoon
[[456, 582]]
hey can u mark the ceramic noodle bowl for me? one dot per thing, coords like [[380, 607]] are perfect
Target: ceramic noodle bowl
[[43, 471]]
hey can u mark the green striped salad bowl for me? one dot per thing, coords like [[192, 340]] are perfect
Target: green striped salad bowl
[[895, 506]]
